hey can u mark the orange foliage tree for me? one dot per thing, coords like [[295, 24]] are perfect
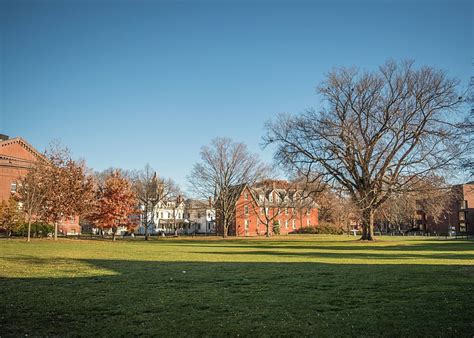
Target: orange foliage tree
[[56, 187], [116, 204], [67, 189]]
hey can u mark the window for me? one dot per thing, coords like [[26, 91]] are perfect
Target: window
[[286, 211], [199, 215], [169, 214], [286, 224], [199, 226], [246, 195], [277, 198], [13, 187], [308, 222], [246, 209], [308, 211], [261, 211], [294, 224], [246, 224], [270, 197]]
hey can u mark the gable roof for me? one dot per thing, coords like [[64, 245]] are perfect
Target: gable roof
[[21, 142]]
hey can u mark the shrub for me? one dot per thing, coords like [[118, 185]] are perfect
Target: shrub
[[276, 228], [322, 228]]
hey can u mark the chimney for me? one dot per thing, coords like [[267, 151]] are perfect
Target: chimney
[[3, 137]]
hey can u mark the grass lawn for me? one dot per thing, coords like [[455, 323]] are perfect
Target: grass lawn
[[287, 286]]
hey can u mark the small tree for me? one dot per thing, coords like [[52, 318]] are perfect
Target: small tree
[[115, 205], [30, 194], [64, 185], [150, 190], [10, 216]]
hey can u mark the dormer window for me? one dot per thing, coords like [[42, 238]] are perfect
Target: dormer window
[[270, 197], [13, 187]]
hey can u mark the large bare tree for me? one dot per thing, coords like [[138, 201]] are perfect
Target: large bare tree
[[377, 133], [225, 165]]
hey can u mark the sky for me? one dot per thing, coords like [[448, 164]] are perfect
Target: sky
[[125, 83]]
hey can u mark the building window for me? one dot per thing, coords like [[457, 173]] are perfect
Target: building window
[[246, 224], [246, 195], [286, 224], [261, 211], [199, 215], [308, 211], [199, 226], [270, 197], [13, 187], [294, 224], [286, 211], [246, 209]]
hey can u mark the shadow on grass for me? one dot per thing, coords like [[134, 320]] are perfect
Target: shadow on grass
[[339, 255], [343, 245], [240, 298]]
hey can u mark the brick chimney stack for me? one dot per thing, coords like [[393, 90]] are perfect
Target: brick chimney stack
[[3, 137]]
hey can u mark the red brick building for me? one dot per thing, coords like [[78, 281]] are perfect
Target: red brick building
[[16, 157], [274, 205], [459, 216]]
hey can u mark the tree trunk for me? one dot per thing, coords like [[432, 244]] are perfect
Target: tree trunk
[[145, 223], [55, 231], [29, 229], [368, 224]]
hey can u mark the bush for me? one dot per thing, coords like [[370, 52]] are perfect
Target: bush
[[322, 228], [276, 228], [38, 229]]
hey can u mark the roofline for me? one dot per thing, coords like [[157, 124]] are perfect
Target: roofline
[[25, 143]]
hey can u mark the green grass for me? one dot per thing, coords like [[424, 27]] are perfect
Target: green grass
[[308, 285]]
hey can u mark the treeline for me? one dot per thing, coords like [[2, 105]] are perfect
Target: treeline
[[57, 188]]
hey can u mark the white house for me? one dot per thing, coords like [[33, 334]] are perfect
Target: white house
[[167, 218], [200, 217]]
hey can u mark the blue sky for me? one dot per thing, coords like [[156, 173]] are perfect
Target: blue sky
[[123, 83]]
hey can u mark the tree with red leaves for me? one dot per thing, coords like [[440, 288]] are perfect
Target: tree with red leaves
[[116, 204]]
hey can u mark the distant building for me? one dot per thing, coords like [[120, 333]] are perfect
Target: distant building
[[16, 157], [167, 218], [459, 217], [277, 205], [200, 217]]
